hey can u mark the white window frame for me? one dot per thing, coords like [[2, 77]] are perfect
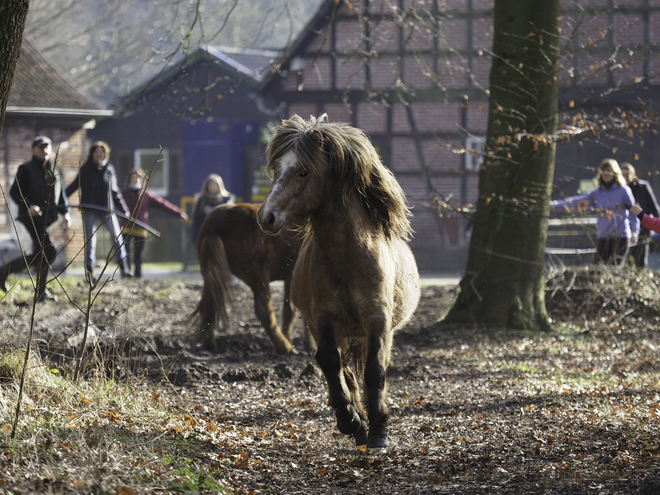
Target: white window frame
[[164, 161], [478, 143]]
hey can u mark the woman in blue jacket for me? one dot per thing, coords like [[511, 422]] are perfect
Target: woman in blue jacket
[[612, 199]]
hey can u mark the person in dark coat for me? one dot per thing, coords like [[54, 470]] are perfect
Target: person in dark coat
[[100, 198], [213, 193], [139, 200], [645, 198], [40, 196]]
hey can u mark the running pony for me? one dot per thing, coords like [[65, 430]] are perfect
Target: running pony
[[355, 281], [229, 241]]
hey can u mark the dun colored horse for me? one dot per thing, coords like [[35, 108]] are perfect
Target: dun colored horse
[[230, 241], [355, 281]]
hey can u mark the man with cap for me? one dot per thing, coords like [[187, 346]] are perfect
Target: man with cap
[[40, 195]]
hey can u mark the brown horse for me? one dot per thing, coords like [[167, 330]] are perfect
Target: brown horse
[[230, 241], [355, 280]]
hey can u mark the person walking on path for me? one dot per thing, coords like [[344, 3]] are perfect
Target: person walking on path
[[39, 193], [612, 199], [644, 197], [100, 198], [213, 193], [139, 200]]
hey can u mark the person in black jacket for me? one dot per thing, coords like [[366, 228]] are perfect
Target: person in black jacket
[[100, 198], [645, 198], [40, 196]]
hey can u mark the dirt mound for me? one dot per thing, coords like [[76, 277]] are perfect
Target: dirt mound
[[593, 292]]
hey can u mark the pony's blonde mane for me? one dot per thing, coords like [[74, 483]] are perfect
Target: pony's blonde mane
[[354, 163]]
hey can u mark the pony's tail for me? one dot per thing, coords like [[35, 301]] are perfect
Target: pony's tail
[[216, 292]]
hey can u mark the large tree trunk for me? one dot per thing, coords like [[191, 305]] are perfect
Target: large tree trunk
[[12, 23], [503, 285]]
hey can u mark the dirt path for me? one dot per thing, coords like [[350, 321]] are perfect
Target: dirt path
[[574, 411]]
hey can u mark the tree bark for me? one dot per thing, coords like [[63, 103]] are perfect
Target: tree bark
[[12, 23], [503, 285]]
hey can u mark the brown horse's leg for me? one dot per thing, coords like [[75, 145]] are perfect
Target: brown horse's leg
[[375, 371], [342, 400], [263, 307], [289, 311]]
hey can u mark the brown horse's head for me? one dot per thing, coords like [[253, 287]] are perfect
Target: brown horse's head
[[316, 163]]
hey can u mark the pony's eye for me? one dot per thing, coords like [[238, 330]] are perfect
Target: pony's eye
[[304, 173]]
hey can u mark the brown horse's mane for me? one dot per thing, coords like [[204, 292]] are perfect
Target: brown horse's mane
[[354, 163]]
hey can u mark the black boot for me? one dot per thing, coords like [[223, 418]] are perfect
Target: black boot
[[16, 266], [4, 273], [125, 273]]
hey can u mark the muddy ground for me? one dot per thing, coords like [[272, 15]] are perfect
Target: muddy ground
[[472, 411]]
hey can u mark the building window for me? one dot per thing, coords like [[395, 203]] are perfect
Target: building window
[[156, 163], [474, 152]]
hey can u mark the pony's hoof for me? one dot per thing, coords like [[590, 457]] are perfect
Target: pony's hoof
[[348, 421], [378, 442], [360, 437]]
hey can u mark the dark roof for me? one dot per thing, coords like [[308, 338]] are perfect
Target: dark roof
[[39, 87], [244, 65], [249, 61]]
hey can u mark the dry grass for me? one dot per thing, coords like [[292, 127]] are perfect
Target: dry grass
[[99, 436]]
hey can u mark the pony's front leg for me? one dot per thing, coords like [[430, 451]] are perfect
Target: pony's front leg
[[342, 395], [375, 373]]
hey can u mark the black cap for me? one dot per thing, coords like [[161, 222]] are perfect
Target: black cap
[[40, 141]]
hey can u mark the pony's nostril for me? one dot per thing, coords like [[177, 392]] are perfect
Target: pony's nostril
[[270, 219]]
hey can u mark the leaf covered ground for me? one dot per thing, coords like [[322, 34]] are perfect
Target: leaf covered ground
[[472, 411]]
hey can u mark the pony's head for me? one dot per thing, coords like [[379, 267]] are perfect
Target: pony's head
[[316, 163]]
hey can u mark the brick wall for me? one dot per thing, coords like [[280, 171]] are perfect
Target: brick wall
[[382, 72], [628, 29], [593, 30], [453, 34], [338, 112], [404, 155], [400, 118], [629, 66], [452, 71], [592, 69], [456, 5], [654, 27], [349, 36], [654, 68], [421, 37], [384, 36], [350, 73], [439, 155], [477, 118], [437, 116], [318, 76], [372, 117], [482, 33], [303, 109], [481, 70], [418, 72], [592, 3]]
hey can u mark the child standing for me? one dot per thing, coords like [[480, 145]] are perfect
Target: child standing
[[139, 199]]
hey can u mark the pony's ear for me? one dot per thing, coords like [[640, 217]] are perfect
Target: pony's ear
[[322, 118]]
